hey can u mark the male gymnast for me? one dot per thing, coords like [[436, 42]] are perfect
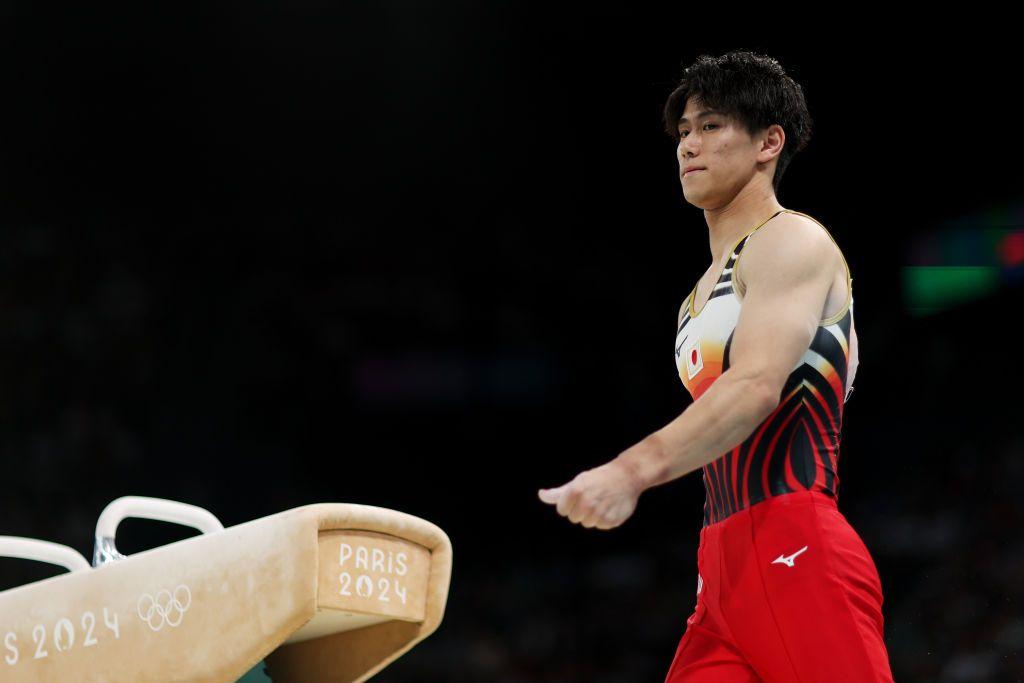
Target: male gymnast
[[766, 347]]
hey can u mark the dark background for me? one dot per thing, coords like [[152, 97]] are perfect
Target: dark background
[[428, 256]]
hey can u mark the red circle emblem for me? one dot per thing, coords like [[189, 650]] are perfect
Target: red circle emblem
[[693, 357]]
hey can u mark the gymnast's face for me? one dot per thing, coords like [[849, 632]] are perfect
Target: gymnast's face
[[727, 156]]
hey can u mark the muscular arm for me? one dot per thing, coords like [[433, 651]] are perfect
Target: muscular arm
[[788, 268]]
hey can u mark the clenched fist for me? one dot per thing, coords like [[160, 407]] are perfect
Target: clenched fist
[[601, 498]]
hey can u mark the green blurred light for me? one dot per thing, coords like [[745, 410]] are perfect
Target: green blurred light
[[929, 289]]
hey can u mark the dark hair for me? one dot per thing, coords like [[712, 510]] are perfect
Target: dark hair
[[754, 89]]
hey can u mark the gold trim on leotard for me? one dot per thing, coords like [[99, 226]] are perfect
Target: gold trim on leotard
[[693, 292]]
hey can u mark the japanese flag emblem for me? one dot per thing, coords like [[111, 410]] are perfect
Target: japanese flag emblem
[[694, 359]]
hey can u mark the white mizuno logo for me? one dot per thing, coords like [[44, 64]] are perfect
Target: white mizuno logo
[[788, 561]]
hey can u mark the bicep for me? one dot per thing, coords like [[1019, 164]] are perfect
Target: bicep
[[788, 276]]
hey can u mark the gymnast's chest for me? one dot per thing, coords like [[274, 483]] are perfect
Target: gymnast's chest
[[702, 343]]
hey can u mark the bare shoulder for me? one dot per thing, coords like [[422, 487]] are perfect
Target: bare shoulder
[[790, 246]]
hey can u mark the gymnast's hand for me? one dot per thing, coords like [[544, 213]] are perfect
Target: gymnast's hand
[[601, 498]]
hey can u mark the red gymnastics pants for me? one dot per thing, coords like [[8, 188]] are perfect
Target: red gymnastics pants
[[786, 592]]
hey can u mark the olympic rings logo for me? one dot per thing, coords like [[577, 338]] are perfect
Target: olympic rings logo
[[166, 608]]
